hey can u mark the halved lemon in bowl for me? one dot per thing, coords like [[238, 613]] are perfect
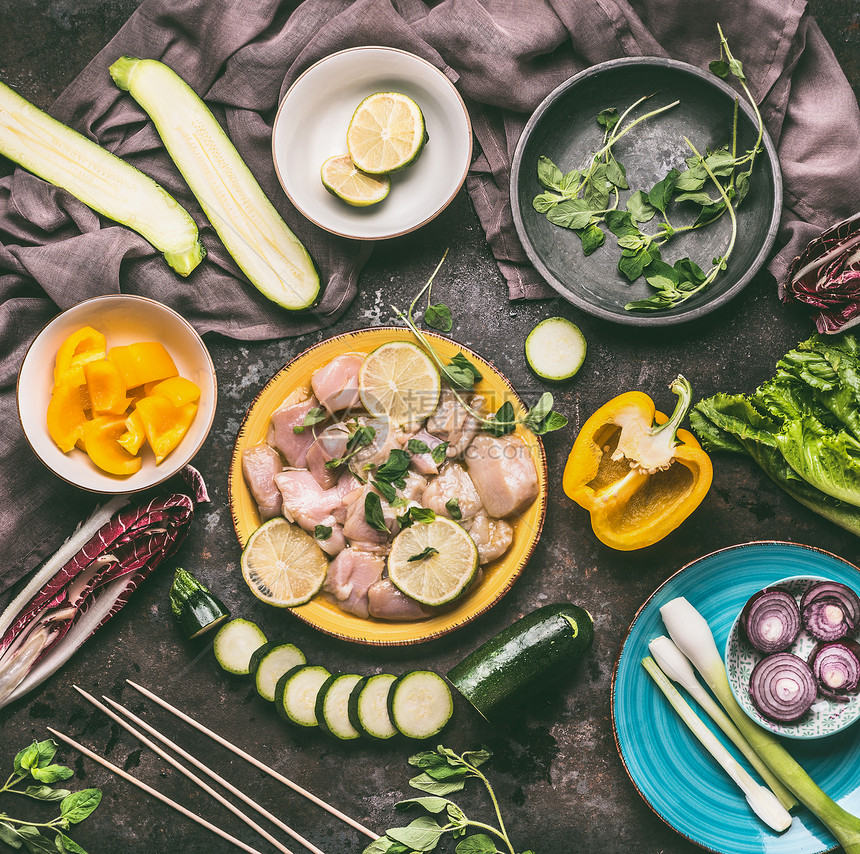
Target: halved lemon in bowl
[[342, 179], [386, 133]]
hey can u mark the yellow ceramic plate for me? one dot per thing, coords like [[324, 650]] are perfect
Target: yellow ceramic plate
[[498, 575]]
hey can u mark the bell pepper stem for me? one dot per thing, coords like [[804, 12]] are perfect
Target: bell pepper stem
[[681, 387]]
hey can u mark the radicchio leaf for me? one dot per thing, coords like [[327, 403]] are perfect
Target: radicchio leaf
[[826, 276], [57, 612]]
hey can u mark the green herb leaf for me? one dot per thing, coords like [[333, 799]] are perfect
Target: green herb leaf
[[384, 845], [363, 435], [544, 202], [608, 118], [633, 261], [721, 162], [452, 505], [553, 421], [373, 514], [461, 373], [10, 836], [68, 844], [386, 489], [35, 842], [52, 773], [540, 410], [431, 804], [661, 193], [77, 806], [596, 188], [692, 179], [592, 238], [549, 175], [393, 470], [423, 834], [570, 182], [641, 210], [440, 453], [504, 421], [416, 446], [438, 765], [480, 843], [46, 793], [26, 759], [719, 67], [322, 532], [426, 783], [313, 416], [616, 174], [439, 317], [429, 551], [737, 68], [416, 514], [621, 224], [571, 213], [697, 198], [710, 212]]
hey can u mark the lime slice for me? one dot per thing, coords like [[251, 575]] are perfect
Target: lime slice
[[385, 133], [283, 565], [398, 381], [445, 560], [342, 179]]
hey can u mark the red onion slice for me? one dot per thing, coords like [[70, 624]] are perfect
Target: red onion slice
[[771, 620], [836, 667], [782, 687], [830, 610]]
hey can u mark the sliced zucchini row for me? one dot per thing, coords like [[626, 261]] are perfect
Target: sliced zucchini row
[[420, 704], [270, 662], [332, 706], [235, 643], [265, 249], [296, 694], [368, 706], [99, 179]]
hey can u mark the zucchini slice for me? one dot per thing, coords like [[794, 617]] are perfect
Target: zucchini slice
[[99, 179], [296, 694], [368, 706], [265, 249], [235, 643], [332, 706], [555, 349], [420, 704], [270, 662], [528, 653]]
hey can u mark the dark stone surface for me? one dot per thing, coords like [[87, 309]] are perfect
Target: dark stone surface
[[558, 776]]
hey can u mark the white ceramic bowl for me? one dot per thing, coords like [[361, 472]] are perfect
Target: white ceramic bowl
[[311, 124], [826, 716], [123, 320]]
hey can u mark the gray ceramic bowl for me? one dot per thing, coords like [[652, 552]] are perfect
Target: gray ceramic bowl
[[564, 128]]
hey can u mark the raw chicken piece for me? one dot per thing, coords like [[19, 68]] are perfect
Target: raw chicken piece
[[453, 424], [260, 464], [336, 384], [423, 463], [334, 544], [350, 575], [414, 488], [386, 602], [503, 472], [356, 529], [453, 482], [387, 438], [291, 413], [330, 444], [493, 537], [305, 501]]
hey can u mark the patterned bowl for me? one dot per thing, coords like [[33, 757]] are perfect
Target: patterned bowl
[[826, 716]]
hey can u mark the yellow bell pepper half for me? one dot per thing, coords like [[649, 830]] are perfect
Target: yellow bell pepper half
[[637, 477]]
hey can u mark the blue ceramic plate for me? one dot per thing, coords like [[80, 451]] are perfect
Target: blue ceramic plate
[[669, 768]]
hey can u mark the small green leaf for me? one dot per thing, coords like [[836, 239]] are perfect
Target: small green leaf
[[549, 175], [426, 783], [544, 202], [742, 186], [34, 841], [553, 421], [479, 843], [698, 198], [384, 845], [476, 758], [641, 210], [387, 490], [10, 836], [26, 759], [572, 213], [52, 773], [46, 793], [721, 162], [692, 180], [322, 532], [431, 804], [439, 453], [504, 421], [313, 416], [661, 193], [596, 188], [608, 118], [393, 470], [592, 238], [429, 551], [460, 372], [423, 834], [452, 505], [416, 446], [77, 806], [710, 212], [373, 513], [570, 182], [616, 174], [633, 261], [621, 224], [737, 68], [69, 844], [439, 317], [690, 270], [631, 242], [719, 67]]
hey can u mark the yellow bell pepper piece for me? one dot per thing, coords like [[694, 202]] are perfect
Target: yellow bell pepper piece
[[82, 346], [164, 423], [178, 389], [637, 477], [66, 416], [105, 388], [135, 434], [143, 362], [101, 439]]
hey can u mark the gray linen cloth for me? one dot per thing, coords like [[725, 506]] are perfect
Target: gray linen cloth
[[242, 56]]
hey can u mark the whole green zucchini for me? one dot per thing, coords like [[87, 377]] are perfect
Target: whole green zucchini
[[534, 650]]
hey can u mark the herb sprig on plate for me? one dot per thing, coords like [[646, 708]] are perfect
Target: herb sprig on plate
[[444, 772], [714, 183]]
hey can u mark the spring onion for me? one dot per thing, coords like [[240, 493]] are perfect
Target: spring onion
[[691, 633], [678, 668], [762, 800]]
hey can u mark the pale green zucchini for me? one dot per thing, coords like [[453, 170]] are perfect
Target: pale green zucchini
[[265, 249], [102, 181]]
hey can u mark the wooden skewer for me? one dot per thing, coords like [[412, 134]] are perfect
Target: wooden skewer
[[183, 770], [215, 776], [253, 760], [154, 792]]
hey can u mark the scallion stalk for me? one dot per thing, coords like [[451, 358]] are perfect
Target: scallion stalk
[[692, 635], [762, 800]]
